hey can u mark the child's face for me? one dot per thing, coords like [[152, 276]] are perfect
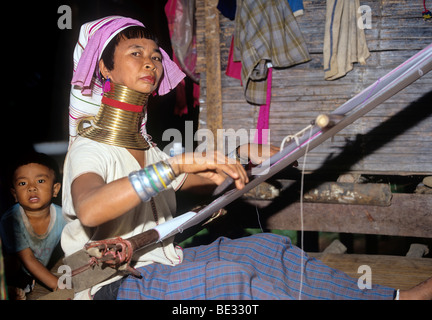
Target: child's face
[[34, 187]]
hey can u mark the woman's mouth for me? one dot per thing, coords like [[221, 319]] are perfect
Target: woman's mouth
[[149, 79]]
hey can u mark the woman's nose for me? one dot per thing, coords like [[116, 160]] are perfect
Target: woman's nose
[[149, 64]]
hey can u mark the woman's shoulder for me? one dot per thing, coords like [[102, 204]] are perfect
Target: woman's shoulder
[[83, 148], [86, 143]]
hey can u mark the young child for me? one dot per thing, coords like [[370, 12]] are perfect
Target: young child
[[31, 229]]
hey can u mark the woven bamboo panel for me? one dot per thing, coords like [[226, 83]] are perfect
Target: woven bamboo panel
[[394, 138]]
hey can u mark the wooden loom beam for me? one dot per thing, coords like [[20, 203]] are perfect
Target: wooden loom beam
[[213, 72]]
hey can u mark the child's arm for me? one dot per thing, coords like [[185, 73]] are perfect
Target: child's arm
[[37, 269]]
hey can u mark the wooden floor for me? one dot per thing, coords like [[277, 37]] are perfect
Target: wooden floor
[[393, 271]]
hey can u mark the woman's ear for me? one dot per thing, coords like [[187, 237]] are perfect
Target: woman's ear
[[103, 69]]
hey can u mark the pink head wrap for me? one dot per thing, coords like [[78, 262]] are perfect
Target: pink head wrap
[[86, 91]]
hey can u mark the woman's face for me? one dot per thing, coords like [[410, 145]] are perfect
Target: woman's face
[[137, 65]]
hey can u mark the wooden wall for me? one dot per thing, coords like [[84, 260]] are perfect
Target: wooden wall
[[395, 138]]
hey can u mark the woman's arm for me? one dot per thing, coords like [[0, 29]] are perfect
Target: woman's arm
[[97, 202]]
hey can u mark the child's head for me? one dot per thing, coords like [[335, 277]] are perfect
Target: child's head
[[35, 181]]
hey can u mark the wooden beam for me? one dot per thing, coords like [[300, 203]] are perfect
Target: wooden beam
[[378, 194], [393, 271], [408, 215], [213, 69]]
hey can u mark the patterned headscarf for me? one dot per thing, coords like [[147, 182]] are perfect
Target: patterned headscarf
[[87, 88]]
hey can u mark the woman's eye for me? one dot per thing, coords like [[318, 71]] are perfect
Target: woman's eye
[[157, 58], [135, 54]]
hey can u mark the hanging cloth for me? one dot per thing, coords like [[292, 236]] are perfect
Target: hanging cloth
[[180, 17], [265, 31], [296, 7], [233, 67], [261, 134], [344, 40]]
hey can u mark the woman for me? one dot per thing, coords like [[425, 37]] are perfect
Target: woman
[[99, 199], [112, 189]]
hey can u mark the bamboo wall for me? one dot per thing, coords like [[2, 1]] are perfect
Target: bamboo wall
[[394, 138]]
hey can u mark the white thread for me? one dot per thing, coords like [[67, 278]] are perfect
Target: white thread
[[295, 136], [301, 213], [296, 139], [258, 216]]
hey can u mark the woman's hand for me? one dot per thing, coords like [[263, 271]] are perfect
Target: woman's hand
[[256, 153], [215, 167]]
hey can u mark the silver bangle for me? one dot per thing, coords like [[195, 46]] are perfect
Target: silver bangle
[[137, 184], [151, 180]]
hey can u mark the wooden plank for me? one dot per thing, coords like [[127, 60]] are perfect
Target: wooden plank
[[392, 271], [213, 73], [200, 36], [408, 215]]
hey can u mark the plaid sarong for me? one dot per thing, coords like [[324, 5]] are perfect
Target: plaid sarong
[[264, 266], [266, 31]]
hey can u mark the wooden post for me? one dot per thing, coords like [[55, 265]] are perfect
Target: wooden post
[[213, 72]]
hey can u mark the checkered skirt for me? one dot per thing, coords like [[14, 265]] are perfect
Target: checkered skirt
[[264, 266]]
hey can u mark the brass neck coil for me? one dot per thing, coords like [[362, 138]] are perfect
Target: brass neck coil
[[116, 126]]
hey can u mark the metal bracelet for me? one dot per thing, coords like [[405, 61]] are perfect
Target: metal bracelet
[[137, 184], [151, 180], [168, 169]]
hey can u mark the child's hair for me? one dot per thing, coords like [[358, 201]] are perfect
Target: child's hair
[[134, 32], [35, 157]]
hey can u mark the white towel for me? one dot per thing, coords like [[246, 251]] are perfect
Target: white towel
[[344, 42]]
